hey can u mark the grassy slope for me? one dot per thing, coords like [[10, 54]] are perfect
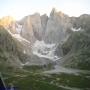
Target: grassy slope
[[37, 81], [77, 50]]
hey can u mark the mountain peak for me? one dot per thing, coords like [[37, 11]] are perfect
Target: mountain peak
[[53, 11]]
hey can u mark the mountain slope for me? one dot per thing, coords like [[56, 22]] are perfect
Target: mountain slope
[[32, 49], [77, 50], [55, 29], [11, 51]]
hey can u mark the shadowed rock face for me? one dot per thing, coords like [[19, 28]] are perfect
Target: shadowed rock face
[[57, 25], [44, 20], [81, 22]]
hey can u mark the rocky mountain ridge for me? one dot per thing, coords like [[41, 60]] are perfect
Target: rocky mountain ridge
[[53, 29]]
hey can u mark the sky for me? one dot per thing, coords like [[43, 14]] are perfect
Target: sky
[[21, 8]]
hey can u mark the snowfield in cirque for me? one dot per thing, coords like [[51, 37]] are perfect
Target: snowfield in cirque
[[41, 49]]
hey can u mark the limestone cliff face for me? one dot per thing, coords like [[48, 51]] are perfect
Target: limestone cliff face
[[8, 50], [57, 26], [52, 29], [44, 20], [33, 27], [26, 30]]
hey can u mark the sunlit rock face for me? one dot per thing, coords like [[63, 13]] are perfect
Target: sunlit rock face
[[9, 23], [27, 31], [57, 25], [36, 25], [6, 21], [33, 27]]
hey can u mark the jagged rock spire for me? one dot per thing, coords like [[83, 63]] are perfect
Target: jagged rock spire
[[53, 12]]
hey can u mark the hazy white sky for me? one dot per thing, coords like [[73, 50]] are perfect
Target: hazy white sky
[[21, 8]]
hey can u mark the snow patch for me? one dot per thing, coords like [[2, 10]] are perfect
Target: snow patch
[[18, 37], [74, 29], [41, 49], [24, 52], [18, 28], [27, 63]]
